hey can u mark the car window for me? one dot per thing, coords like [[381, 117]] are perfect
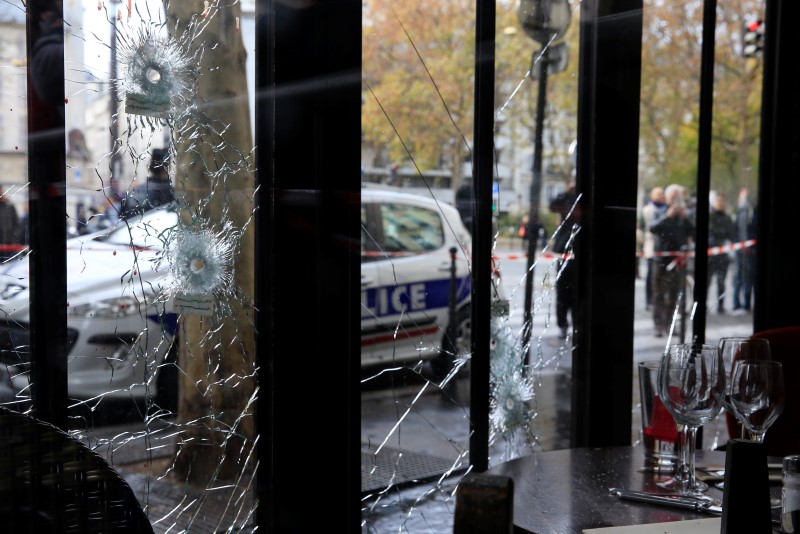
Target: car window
[[410, 229], [367, 241]]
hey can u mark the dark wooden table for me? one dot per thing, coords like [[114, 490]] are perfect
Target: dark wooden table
[[566, 491]]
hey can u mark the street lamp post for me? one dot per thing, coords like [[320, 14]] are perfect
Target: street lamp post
[[543, 21]]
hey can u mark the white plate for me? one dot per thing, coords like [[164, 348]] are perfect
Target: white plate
[[694, 526]]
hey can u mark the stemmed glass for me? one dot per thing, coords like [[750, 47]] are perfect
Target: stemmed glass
[[741, 348], [692, 386], [757, 395]]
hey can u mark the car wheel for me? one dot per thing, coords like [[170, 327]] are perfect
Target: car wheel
[[454, 347]]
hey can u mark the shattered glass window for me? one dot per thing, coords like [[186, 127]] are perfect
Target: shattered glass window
[[417, 122], [418, 63], [160, 205], [160, 243]]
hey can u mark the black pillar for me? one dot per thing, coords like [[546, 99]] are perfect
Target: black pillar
[[48, 223], [777, 284], [607, 179], [308, 139]]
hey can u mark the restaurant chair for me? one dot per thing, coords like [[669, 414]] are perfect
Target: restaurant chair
[[783, 437], [52, 483], [484, 505]]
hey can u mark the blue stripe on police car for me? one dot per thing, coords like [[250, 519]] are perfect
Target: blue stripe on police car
[[406, 298]]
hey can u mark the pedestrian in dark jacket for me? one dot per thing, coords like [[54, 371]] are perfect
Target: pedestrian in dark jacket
[[47, 54], [674, 234], [745, 256], [155, 192], [565, 205], [465, 203], [721, 232]]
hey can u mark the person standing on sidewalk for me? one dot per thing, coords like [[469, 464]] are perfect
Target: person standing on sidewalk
[[745, 257], [527, 231], [721, 231], [465, 202], [155, 192], [655, 208], [674, 234], [565, 205], [522, 231]]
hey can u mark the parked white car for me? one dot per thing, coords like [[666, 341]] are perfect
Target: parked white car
[[119, 335], [406, 263]]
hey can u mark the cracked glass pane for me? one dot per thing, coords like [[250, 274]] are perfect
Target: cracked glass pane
[[160, 203], [417, 140], [159, 195], [416, 155]]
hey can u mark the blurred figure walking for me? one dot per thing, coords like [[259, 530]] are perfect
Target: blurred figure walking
[[721, 231], [157, 189], [745, 257], [565, 205], [655, 209], [674, 234], [522, 231]]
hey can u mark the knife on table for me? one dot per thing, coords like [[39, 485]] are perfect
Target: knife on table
[[676, 501]]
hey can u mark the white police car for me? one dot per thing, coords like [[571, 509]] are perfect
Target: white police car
[[119, 336], [406, 262]]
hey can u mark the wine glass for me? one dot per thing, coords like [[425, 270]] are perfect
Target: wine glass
[[757, 395], [692, 386], [743, 348], [740, 348]]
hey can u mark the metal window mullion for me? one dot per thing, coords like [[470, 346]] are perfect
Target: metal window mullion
[[482, 169], [607, 180], [704, 171], [48, 230]]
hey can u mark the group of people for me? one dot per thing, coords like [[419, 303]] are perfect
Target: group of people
[[668, 229]]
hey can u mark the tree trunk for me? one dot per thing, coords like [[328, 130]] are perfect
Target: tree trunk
[[214, 179]]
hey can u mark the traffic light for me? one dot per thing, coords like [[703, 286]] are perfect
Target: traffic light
[[753, 40]]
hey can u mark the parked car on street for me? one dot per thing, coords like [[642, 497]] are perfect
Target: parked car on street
[[406, 264], [119, 334]]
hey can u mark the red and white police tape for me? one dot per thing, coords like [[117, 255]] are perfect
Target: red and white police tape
[[712, 251]]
